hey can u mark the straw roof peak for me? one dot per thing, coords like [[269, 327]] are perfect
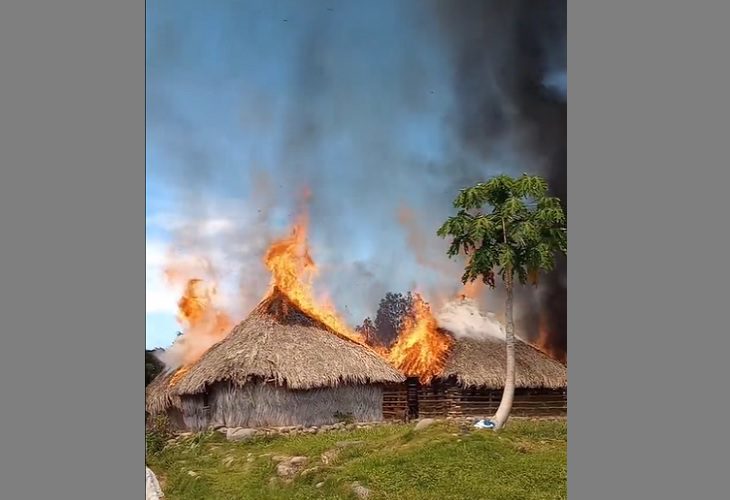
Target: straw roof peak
[[280, 343], [482, 363]]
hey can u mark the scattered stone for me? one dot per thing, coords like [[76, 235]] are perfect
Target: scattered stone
[[319, 485], [239, 434], [249, 459], [360, 491], [287, 469], [329, 456], [425, 423], [350, 427]]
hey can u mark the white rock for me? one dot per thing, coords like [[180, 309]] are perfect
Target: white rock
[[423, 424], [360, 491], [239, 434]]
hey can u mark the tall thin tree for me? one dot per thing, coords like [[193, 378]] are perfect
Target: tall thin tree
[[511, 228]]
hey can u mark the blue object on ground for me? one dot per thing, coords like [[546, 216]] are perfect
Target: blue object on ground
[[484, 424]]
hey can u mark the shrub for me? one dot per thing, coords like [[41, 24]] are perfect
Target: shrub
[[157, 435]]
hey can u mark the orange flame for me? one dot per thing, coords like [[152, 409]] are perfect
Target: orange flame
[[421, 348], [292, 270], [196, 307], [543, 344], [204, 324], [179, 374], [471, 290]]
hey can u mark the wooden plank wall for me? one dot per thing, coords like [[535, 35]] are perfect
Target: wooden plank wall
[[432, 401], [439, 399], [527, 403], [395, 402]]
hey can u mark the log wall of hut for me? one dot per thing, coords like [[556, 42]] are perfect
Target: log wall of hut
[[395, 402], [445, 398], [195, 412], [527, 402], [263, 404]]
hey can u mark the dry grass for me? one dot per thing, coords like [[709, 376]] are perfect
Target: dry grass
[[159, 397], [278, 343], [483, 364]]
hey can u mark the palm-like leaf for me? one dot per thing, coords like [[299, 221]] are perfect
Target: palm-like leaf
[[519, 235]]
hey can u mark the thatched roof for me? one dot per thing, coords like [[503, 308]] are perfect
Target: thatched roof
[[482, 363], [159, 395], [281, 344]]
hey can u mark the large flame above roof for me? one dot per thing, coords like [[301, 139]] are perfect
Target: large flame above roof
[[292, 271], [421, 348]]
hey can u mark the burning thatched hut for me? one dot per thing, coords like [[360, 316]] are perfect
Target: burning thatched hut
[[472, 379], [278, 367]]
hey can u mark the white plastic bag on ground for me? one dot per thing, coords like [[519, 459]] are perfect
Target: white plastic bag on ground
[[484, 424]]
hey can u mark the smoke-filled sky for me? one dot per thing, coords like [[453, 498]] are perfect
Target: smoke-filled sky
[[248, 102]]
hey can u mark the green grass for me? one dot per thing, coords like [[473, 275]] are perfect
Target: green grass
[[526, 461]]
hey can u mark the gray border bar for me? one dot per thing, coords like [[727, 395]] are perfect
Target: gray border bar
[[647, 174], [72, 197]]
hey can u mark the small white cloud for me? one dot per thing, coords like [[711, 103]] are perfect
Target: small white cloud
[[204, 226]]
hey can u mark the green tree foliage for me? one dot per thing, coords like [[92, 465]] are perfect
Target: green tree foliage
[[394, 308], [392, 312], [509, 228], [367, 330], [152, 366]]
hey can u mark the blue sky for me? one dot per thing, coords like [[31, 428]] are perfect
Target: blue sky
[[349, 98]]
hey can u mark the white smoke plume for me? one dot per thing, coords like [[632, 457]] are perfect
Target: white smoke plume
[[463, 318]]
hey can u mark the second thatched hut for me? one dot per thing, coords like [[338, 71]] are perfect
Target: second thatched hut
[[472, 381]]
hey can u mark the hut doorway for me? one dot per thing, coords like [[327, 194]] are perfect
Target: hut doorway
[[412, 388]]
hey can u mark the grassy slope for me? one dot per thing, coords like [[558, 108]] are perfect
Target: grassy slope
[[527, 461]]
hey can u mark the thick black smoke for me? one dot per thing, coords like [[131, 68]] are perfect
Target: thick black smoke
[[339, 96], [505, 55]]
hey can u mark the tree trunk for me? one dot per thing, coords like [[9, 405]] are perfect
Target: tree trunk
[[505, 405]]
